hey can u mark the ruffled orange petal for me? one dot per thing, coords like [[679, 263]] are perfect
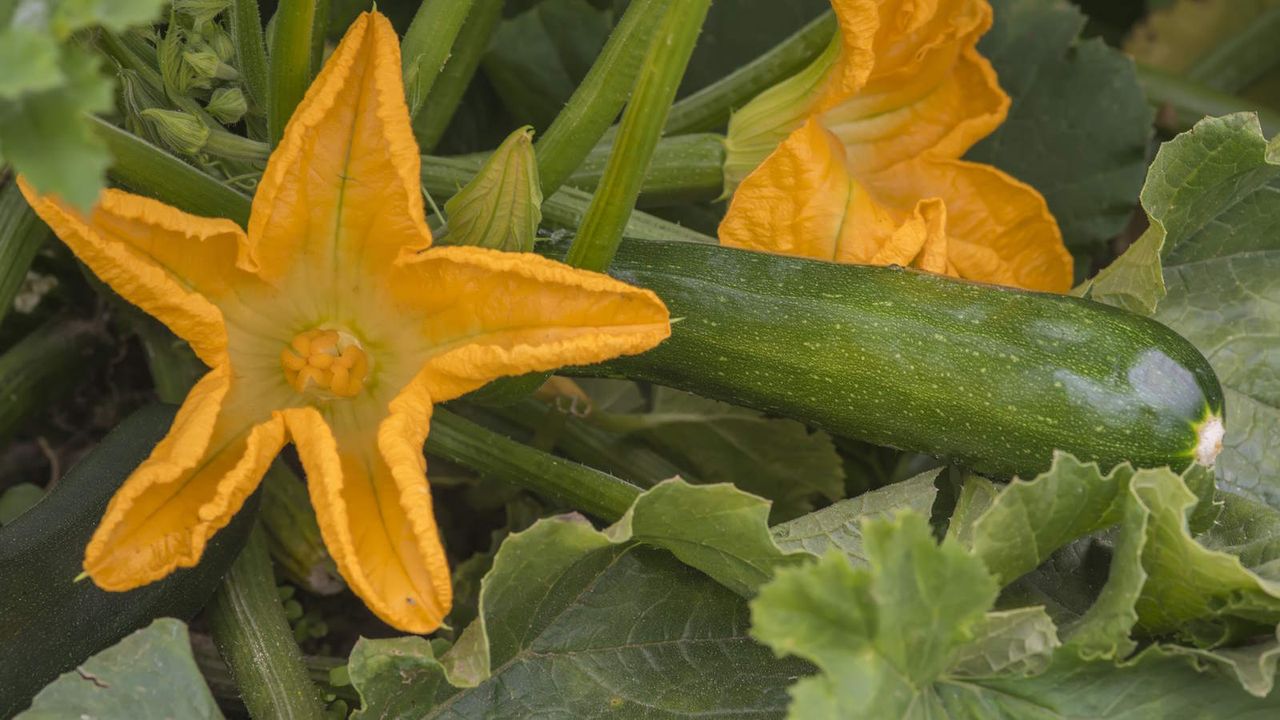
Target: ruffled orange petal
[[1000, 230], [951, 103], [486, 314], [803, 201], [196, 479], [170, 264], [341, 192], [374, 508], [859, 21]]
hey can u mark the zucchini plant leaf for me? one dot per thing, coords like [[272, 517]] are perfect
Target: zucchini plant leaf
[[537, 58], [909, 636], [1019, 641], [149, 674], [49, 85], [1134, 281], [1079, 124], [839, 526], [573, 619], [1214, 194], [396, 677]]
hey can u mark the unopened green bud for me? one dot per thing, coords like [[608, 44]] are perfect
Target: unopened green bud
[[201, 12], [502, 205], [219, 41], [206, 64], [761, 125], [227, 105], [180, 131], [177, 74]]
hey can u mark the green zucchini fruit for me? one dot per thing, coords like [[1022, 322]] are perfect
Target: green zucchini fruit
[[49, 622], [991, 377]]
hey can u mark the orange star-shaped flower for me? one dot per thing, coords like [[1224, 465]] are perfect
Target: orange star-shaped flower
[[857, 158], [333, 323]]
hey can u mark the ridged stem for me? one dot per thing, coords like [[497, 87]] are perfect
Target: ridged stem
[[251, 50], [253, 637], [290, 70], [642, 124], [709, 108], [599, 97], [427, 44], [446, 94], [461, 441], [682, 169]]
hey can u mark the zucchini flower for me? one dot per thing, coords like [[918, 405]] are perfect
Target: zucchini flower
[[857, 157], [333, 322]]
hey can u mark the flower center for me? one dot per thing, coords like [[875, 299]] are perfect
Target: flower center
[[325, 362]]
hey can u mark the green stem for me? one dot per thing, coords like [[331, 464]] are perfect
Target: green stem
[[251, 50], [218, 675], [600, 96], [642, 124], [21, 235], [248, 626], [578, 486], [683, 169], [232, 146], [709, 108], [1241, 58], [442, 177], [427, 44], [290, 69], [583, 443], [151, 171], [1190, 101], [446, 94]]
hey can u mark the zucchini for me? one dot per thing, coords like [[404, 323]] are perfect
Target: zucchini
[[991, 377], [48, 622]]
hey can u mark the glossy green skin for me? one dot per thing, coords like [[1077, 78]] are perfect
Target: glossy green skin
[[49, 624], [991, 377]]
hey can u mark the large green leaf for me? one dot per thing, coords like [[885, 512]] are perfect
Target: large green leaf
[[149, 674], [1214, 195], [910, 637], [1079, 124], [882, 635], [577, 622], [839, 526], [49, 84], [537, 58]]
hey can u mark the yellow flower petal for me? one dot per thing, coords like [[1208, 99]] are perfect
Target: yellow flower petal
[[953, 102], [1000, 230], [486, 314], [159, 258], [374, 508], [859, 22], [341, 192], [191, 486], [802, 201]]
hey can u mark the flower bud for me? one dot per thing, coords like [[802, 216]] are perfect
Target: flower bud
[[227, 105], [201, 12], [206, 65], [180, 131], [502, 205]]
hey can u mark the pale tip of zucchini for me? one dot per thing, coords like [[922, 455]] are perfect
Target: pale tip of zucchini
[[1209, 440]]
